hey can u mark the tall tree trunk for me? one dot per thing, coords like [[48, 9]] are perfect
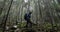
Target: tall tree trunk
[[7, 17]]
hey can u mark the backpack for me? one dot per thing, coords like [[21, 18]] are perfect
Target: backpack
[[27, 16]]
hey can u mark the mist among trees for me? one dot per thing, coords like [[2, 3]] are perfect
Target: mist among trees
[[45, 14]]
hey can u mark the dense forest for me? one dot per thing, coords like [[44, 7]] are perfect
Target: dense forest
[[45, 14]]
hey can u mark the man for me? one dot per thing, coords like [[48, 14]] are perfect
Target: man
[[27, 17]]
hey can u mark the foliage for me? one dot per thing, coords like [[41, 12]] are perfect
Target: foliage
[[47, 26], [22, 24], [0, 30], [56, 6]]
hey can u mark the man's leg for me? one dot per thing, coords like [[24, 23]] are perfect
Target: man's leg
[[30, 24], [26, 24]]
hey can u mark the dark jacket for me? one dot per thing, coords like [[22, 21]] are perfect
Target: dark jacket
[[27, 16]]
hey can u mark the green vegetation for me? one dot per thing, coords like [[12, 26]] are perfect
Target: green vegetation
[[22, 24]]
